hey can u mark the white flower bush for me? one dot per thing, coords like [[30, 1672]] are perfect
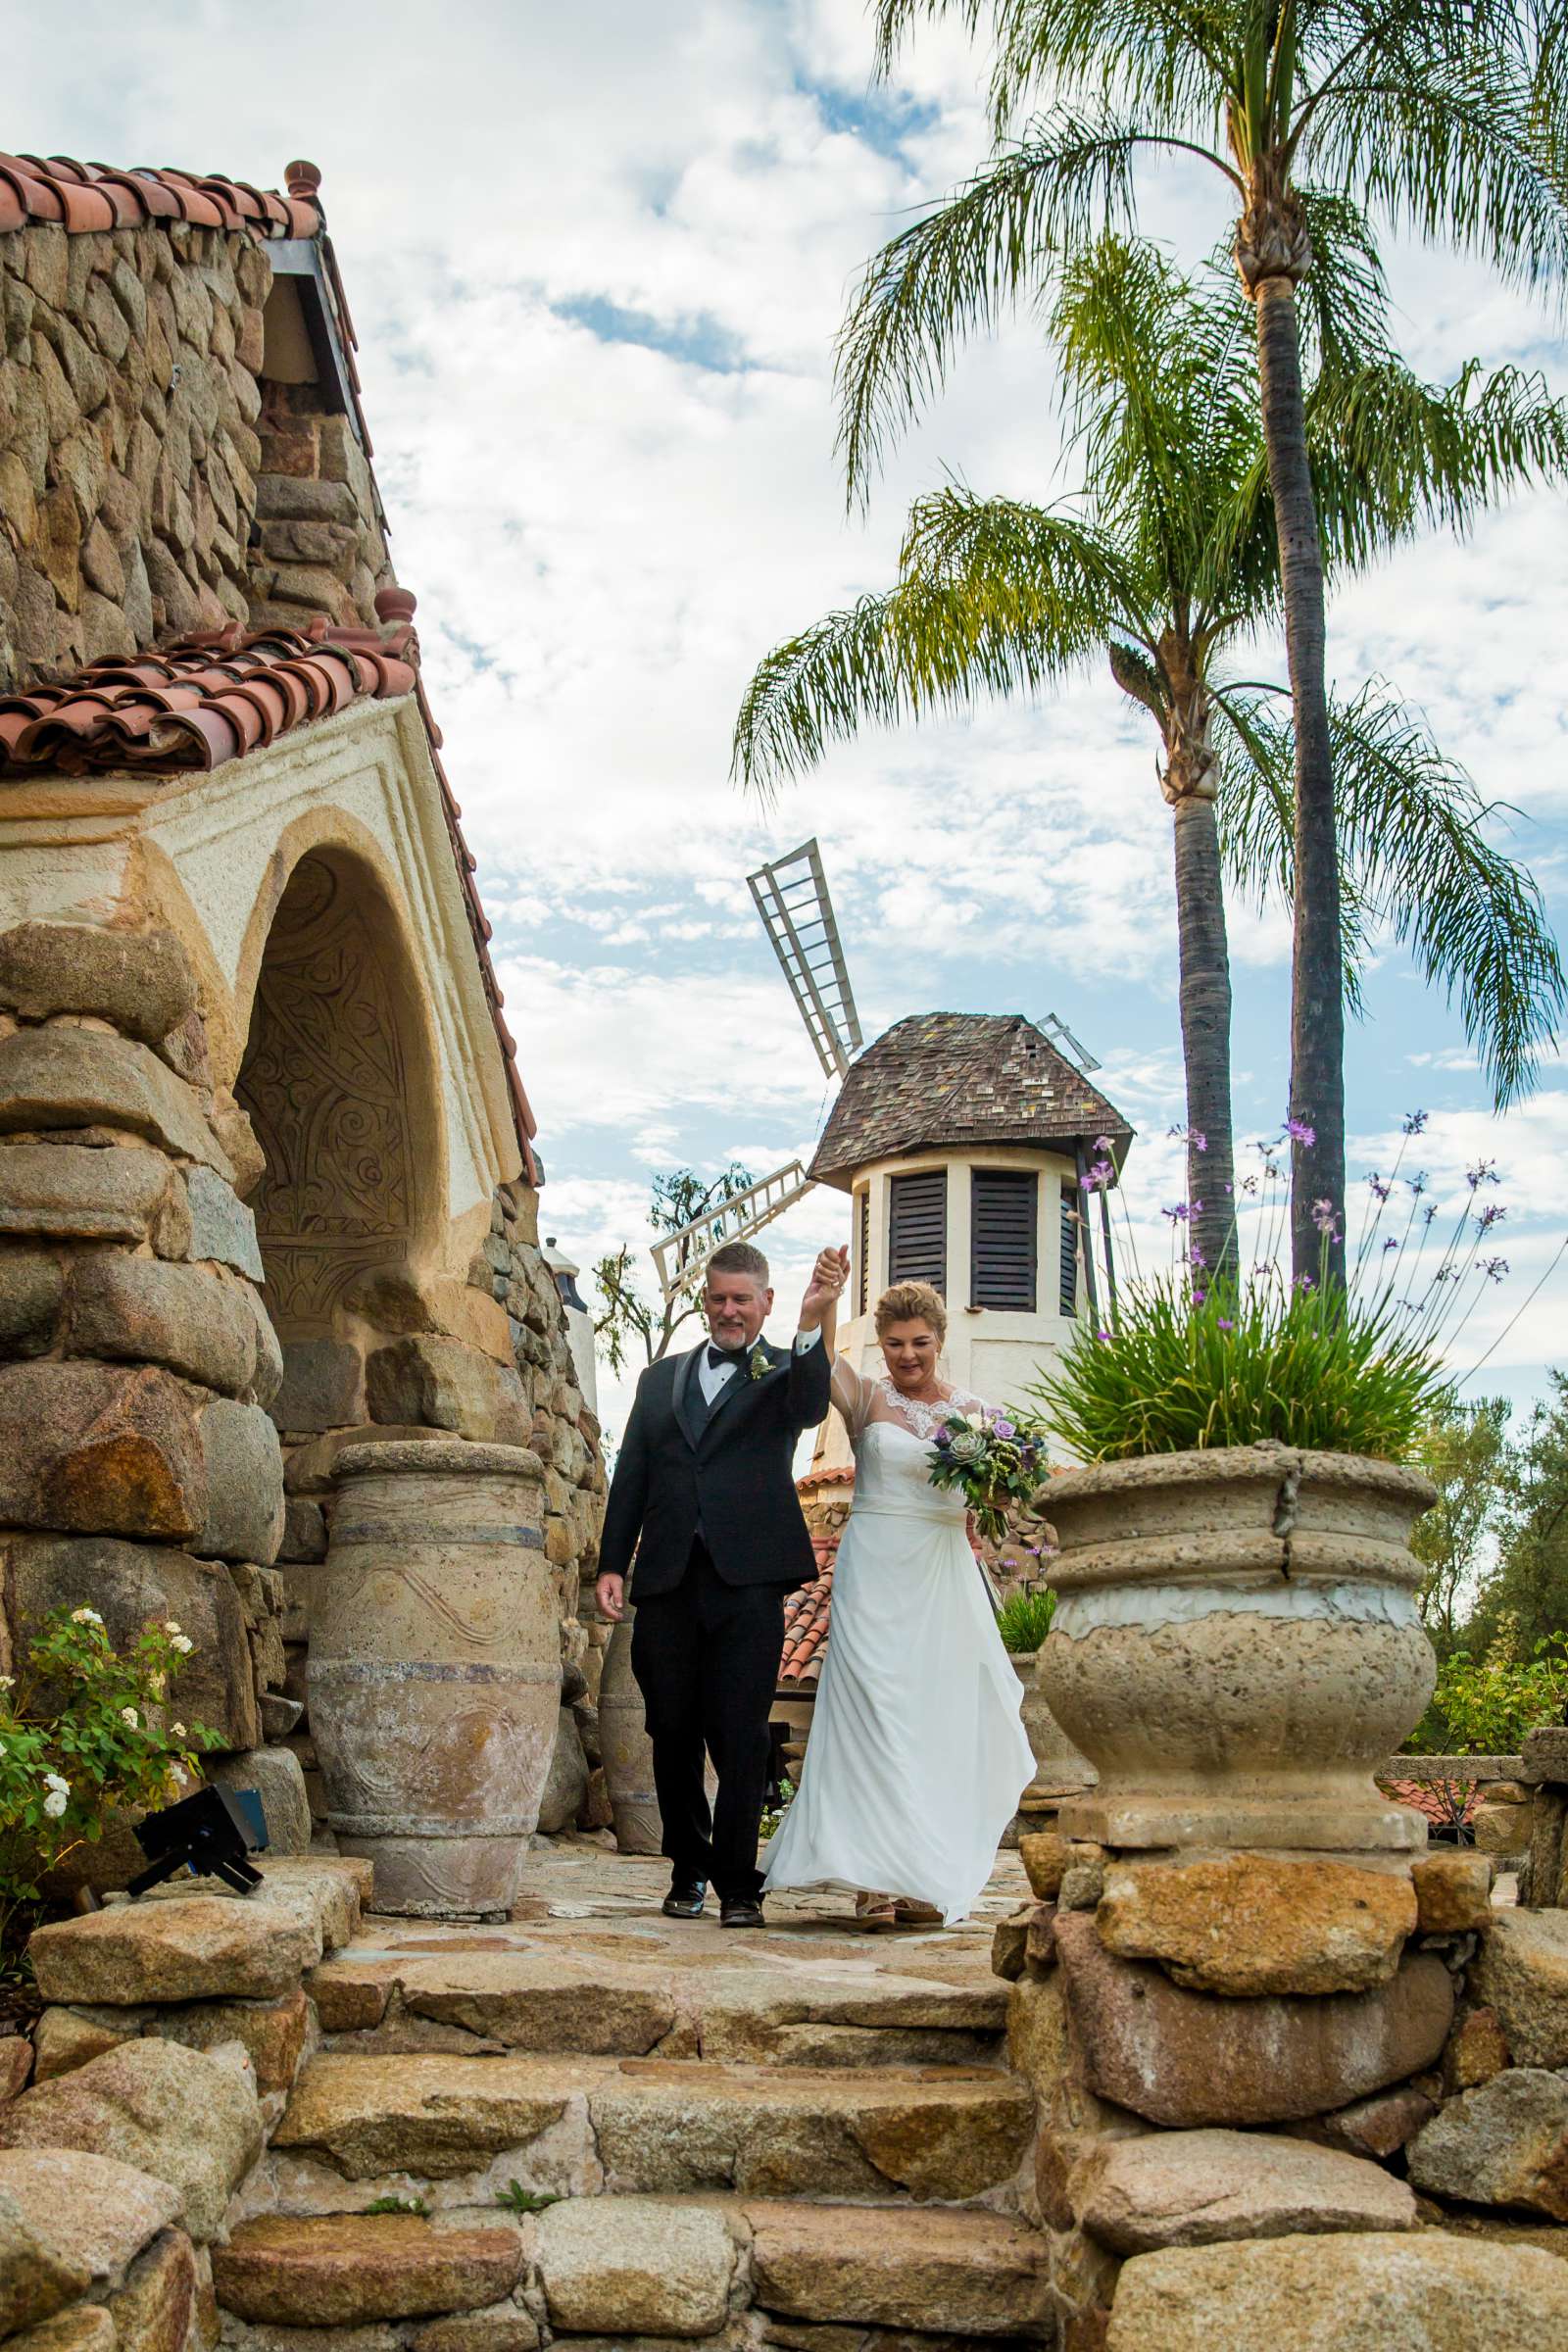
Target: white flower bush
[[82, 1737]]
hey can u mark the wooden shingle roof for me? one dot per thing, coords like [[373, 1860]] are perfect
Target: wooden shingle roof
[[961, 1078]]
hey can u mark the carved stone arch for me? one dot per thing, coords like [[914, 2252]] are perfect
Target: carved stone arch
[[340, 1086]]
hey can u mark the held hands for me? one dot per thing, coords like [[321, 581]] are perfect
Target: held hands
[[828, 1278], [610, 1595]]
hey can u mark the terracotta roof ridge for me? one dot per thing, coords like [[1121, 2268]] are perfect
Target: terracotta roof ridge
[[81, 197]]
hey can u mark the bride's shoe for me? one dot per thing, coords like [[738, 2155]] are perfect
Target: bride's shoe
[[873, 1912], [910, 1914]]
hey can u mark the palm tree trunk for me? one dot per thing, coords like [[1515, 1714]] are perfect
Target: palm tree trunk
[[1205, 1010], [1317, 1003]]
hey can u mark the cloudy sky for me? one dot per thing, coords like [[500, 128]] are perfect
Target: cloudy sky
[[597, 256]]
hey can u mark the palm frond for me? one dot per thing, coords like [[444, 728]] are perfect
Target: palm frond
[[920, 648], [1414, 835], [961, 266]]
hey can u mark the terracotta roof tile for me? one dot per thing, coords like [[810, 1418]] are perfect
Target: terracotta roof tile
[[212, 698], [960, 1078], [807, 1616], [94, 196], [1432, 1798]]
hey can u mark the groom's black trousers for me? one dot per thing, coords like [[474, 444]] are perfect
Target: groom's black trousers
[[706, 1656]]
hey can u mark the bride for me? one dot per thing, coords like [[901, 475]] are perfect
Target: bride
[[917, 1756]]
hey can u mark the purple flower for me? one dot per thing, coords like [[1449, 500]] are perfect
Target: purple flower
[[1223, 1324], [1490, 1215], [1180, 1212], [1485, 1171], [1379, 1189], [1415, 1122], [1002, 1428], [944, 1436], [1101, 1143], [1494, 1268], [1196, 1256], [1391, 1243], [1303, 1282], [1199, 1296], [1300, 1133], [1102, 1334]]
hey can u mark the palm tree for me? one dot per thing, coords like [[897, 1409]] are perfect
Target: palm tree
[[1161, 566], [1431, 113]]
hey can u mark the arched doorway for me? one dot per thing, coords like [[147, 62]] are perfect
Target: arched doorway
[[337, 1082]]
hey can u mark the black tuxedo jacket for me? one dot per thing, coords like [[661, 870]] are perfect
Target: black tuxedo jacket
[[728, 1473]]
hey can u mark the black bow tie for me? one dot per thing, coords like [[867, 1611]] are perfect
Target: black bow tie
[[734, 1357]]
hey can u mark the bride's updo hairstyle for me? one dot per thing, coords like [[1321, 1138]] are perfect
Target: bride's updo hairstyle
[[911, 1302]]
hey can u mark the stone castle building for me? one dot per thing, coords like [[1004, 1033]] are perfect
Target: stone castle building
[[269, 1183]]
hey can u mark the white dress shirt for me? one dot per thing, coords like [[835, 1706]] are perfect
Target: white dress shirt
[[710, 1378]]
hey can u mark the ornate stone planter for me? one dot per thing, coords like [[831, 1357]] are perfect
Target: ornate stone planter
[[628, 1750], [434, 1671], [1237, 1646], [1060, 1768]]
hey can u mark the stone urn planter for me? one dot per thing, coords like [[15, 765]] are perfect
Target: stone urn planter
[[1060, 1768], [434, 1673], [628, 1750], [1237, 1647]]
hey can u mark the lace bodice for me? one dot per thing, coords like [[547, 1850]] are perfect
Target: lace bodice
[[865, 1402]]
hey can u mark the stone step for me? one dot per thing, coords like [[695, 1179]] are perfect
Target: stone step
[[581, 2125], [629, 2267], [345, 2268], [558, 2001], [961, 2274]]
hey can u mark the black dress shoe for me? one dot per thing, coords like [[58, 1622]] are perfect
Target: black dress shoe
[[686, 1898], [742, 1911]]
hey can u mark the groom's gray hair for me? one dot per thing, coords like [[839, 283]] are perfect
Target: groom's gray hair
[[738, 1257]]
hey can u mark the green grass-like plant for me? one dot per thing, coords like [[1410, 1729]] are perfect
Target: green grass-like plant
[[517, 2199], [1310, 1367], [1024, 1619]]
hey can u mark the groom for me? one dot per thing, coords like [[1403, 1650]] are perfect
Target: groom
[[704, 1493]]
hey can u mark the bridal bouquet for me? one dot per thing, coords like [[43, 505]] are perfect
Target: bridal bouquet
[[995, 1461]]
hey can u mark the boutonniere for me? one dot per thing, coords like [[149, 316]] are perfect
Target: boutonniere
[[759, 1365]]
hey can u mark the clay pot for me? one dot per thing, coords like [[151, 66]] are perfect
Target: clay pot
[[434, 1672], [1237, 1646], [628, 1750]]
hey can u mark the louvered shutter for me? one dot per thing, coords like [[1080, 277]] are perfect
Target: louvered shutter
[[1001, 1240], [1069, 1250], [865, 1250], [918, 1228]]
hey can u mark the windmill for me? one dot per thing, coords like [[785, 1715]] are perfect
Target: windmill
[[791, 896]]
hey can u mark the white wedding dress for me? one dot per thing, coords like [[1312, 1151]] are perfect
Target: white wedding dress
[[917, 1756]]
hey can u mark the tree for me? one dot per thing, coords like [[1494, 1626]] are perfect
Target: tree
[[676, 1201], [1160, 565], [1529, 1583], [1463, 1453], [1439, 115]]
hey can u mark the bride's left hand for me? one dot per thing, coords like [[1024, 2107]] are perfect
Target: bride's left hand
[[828, 1277]]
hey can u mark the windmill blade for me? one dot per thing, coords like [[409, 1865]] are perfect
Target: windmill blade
[[681, 1259], [1063, 1037], [791, 895]]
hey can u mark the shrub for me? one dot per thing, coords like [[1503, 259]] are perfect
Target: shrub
[[1484, 1706], [1024, 1618], [85, 1732], [1303, 1366]]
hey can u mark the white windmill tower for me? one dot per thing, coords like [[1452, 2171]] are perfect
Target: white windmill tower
[[963, 1141]]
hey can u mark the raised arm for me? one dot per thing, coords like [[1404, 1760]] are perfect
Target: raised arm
[[811, 1357]]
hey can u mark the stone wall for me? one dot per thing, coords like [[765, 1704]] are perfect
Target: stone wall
[[139, 1464], [129, 448], [155, 477]]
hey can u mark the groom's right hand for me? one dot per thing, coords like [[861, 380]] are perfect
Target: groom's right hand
[[610, 1595]]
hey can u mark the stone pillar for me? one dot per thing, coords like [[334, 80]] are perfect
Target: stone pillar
[[139, 1470]]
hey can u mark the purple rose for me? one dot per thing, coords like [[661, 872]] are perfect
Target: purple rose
[[944, 1436], [1003, 1429]]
